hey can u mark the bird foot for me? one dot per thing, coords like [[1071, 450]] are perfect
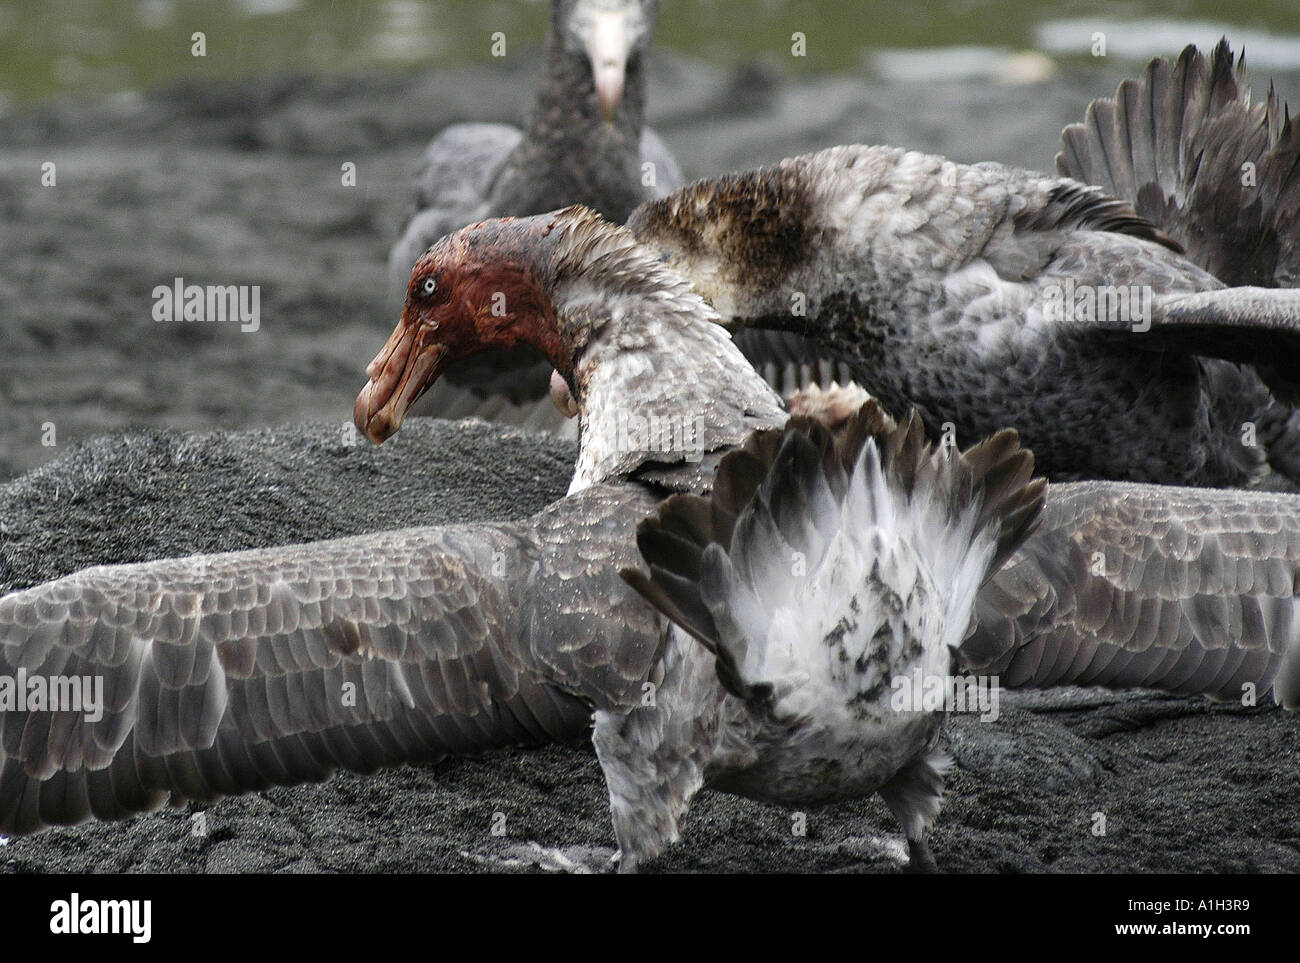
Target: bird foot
[[922, 859]]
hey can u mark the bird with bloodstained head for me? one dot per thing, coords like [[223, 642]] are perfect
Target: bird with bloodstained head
[[610, 318], [483, 287]]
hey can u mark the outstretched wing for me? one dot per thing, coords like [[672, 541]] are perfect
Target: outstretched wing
[[213, 675], [1185, 146], [1186, 590]]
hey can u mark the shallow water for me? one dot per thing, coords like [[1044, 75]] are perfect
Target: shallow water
[[50, 48]]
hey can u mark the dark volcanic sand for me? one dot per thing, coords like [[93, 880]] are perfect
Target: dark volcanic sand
[[242, 186]]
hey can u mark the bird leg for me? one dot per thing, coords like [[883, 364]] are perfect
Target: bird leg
[[921, 859], [654, 756], [914, 796]]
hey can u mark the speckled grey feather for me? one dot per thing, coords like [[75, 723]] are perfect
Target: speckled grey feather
[[227, 673], [1128, 586], [934, 282]]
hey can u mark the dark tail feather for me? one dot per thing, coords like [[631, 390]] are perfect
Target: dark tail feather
[[1194, 156], [801, 475]]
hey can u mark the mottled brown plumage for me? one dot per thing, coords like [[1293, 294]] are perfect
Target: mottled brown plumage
[[758, 222]]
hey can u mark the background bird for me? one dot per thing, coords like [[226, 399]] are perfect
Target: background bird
[[584, 143]]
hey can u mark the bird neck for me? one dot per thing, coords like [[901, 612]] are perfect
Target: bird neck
[[603, 283], [569, 153], [660, 386], [567, 96], [628, 336]]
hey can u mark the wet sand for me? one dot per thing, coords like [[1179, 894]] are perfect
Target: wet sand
[[241, 185]]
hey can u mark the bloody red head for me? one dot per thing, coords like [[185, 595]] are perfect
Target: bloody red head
[[488, 285]]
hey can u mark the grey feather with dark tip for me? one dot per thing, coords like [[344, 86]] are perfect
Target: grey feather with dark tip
[[230, 673], [1187, 590]]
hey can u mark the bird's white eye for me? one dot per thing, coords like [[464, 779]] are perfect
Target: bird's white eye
[[429, 286]]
